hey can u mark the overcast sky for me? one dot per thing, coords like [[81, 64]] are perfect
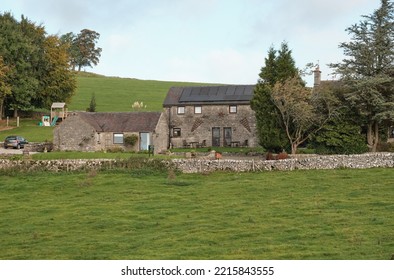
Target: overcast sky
[[218, 41]]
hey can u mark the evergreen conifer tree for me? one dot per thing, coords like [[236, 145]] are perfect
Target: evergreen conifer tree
[[368, 69], [279, 66]]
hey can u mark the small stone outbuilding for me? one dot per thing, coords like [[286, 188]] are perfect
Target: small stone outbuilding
[[83, 131]]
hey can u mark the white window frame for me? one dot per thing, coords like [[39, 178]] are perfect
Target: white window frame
[[180, 110], [198, 109], [117, 137], [233, 109]]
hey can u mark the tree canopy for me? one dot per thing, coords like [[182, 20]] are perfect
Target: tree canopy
[[82, 48], [287, 112], [368, 69], [37, 69], [279, 66]]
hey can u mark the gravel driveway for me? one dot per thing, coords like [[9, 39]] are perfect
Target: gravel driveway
[[11, 151]]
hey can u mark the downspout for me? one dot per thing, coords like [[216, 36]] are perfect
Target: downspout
[[169, 128]]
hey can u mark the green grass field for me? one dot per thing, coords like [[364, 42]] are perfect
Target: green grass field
[[29, 129], [144, 214]]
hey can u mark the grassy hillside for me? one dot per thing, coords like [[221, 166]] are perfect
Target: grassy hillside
[[118, 94], [146, 214]]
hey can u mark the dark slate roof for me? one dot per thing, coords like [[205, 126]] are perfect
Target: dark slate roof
[[122, 122], [231, 94]]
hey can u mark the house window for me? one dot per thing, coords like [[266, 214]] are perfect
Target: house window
[[181, 110], [176, 132], [233, 109], [118, 138], [197, 109]]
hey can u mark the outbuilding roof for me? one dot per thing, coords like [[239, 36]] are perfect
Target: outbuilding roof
[[58, 105], [229, 94], [122, 122]]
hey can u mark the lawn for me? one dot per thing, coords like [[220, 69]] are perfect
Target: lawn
[[146, 214], [29, 129]]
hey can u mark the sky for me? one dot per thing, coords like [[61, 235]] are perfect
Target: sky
[[212, 41]]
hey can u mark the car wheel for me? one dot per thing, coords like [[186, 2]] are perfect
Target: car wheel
[[18, 147]]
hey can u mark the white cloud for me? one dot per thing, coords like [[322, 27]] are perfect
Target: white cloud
[[118, 42]]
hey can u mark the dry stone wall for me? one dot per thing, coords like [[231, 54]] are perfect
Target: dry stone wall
[[319, 162], [210, 165], [56, 165]]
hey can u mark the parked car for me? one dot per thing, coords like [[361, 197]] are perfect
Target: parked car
[[15, 142]]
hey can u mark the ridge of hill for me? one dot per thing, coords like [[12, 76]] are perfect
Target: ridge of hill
[[114, 94]]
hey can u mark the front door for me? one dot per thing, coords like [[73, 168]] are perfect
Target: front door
[[144, 141], [215, 136], [227, 136]]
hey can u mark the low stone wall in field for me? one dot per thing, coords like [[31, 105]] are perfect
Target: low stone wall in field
[[56, 165], [209, 165], [318, 162]]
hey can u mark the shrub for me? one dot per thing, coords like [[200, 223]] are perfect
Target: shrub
[[131, 140], [115, 150], [385, 147], [282, 155], [340, 137], [269, 156], [92, 105]]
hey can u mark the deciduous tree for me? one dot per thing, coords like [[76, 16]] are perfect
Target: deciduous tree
[[87, 54], [5, 86], [38, 65], [303, 111]]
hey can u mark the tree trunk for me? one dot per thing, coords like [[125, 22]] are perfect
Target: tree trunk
[[373, 135], [1, 109], [294, 147], [15, 113], [376, 138]]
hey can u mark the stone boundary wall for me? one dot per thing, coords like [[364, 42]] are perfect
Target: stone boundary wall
[[39, 147], [362, 161], [57, 165], [208, 165]]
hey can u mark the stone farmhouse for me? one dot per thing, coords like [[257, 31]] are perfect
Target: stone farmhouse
[[83, 131], [209, 116], [213, 116]]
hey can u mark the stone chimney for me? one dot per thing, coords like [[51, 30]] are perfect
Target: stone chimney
[[317, 76]]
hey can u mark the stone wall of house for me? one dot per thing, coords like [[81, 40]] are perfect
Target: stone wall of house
[[105, 142], [73, 134], [198, 127], [207, 165], [160, 135]]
